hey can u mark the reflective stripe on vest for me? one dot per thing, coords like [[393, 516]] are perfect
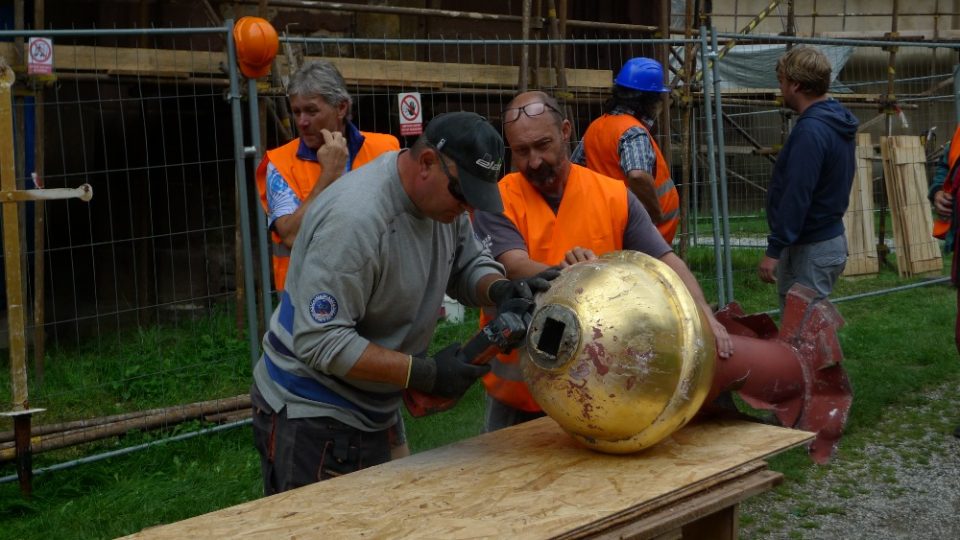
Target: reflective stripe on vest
[[301, 175], [601, 144], [548, 237]]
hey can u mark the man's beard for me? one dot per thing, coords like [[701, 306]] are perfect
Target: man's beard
[[544, 176]]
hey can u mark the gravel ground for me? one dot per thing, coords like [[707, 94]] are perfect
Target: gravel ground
[[899, 480]]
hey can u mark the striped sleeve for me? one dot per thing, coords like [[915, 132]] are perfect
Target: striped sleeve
[[281, 200]]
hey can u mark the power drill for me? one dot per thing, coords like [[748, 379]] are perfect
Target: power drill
[[503, 334]]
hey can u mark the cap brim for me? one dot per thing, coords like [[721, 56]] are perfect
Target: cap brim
[[480, 194]]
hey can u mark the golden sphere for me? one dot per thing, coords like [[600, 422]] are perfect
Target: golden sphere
[[618, 352]]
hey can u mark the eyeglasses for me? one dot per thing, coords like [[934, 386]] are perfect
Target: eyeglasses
[[453, 183], [530, 109]]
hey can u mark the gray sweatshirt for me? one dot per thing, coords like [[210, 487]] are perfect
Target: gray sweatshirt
[[366, 267]]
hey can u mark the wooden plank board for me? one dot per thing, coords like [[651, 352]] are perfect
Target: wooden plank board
[[906, 182], [893, 202], [858, 220], [129, 60], [406, 73], [924, 248], [528, 481], [650, 508], [439, 74], [711, 502]]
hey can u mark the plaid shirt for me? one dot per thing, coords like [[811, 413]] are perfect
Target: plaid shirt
[[634, 147]]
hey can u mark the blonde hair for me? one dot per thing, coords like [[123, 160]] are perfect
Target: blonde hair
[[807, 66]]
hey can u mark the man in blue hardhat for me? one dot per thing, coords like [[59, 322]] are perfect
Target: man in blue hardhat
[[619, 143]]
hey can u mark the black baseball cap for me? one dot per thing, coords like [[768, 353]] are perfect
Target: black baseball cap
[[477, 149]]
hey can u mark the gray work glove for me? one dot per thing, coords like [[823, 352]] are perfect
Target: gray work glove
[[504, 290], [446, 374]]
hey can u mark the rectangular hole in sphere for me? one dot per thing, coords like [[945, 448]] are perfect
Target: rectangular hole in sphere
[[551, 336]]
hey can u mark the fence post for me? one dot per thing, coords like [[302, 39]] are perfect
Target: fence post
[[13, 258], [239, 158], [721, 159], [707, 57], [956, 93], [264, 245]]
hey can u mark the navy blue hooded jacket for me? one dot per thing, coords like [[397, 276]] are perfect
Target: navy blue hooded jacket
[[810, 188]]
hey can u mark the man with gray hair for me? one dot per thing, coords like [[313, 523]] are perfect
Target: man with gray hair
[[290, 177]]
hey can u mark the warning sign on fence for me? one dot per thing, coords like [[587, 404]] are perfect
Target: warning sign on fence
[[411, 114], [39, 56]]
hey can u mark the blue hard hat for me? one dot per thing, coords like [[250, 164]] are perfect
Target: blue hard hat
[[644, 74]]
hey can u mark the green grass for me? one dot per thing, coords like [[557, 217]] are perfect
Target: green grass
[[895, 346], [139, 369]]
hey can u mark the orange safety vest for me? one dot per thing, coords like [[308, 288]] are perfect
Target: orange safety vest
[[942, 226], [600, 146], [592, 214], [302, 175]]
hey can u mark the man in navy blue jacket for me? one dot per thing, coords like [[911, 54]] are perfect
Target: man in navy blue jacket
[[810, 188]]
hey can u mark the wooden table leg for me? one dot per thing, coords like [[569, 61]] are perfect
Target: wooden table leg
[[720, 525]]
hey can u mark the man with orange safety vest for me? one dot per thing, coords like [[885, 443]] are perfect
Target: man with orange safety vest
[[942, 191], [557, 213], [290, 177], [943, 196], [619, 143]]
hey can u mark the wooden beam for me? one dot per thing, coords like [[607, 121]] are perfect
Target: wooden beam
[[440, 74], [903, 35], [170, 63]]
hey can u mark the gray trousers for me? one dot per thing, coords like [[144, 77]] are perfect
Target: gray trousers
[[301, 451], [816, 265], [499, 415]]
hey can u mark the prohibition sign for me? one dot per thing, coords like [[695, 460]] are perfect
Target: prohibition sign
[[40, 51], [40, 56], [410, 108]]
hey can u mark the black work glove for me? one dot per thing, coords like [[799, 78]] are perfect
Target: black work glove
[[507, 289], [447, 374]]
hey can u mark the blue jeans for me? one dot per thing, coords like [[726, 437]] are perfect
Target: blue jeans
[[816, 265]]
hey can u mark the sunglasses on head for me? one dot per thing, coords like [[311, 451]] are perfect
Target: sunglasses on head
[[530, 109]]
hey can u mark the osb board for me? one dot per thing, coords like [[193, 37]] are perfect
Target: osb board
[[528, 481], [904, 166], [858, 220], [687, 515]]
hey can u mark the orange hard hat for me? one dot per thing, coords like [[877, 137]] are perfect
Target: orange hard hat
[[257, 45]]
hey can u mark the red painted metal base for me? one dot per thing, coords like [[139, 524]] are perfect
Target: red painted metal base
[[794, 372]]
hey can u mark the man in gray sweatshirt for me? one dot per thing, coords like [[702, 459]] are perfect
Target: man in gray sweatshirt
[[374, 256]]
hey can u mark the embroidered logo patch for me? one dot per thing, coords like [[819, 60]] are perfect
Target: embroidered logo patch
[[323, 308]]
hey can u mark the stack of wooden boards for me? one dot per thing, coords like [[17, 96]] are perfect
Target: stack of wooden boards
[[905, 181], [858, 221], [529, 481]]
